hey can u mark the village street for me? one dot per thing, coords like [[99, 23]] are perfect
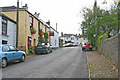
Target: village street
[[68, 62]]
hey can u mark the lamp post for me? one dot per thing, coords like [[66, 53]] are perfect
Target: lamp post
[[17, 23]]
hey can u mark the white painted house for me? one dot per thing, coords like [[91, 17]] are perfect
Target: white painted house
[[54, 38], [7, 31], [70, 37]]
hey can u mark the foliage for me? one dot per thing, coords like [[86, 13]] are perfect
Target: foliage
[[99, 39], [99, 21], [30, 49], [41, 39], [40, 32], [33, 30], [46, 37]]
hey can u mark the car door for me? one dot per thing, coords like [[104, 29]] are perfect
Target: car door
[[7, 53], [16, 53]]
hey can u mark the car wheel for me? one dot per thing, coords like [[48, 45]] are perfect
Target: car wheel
[[82, 49], [22, 58], [47, 51], [51, 51], [4, 62], [91, 49]]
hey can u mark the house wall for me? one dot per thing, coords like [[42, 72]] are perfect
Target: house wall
[[11, 33], [82, 40], [54, 40], [0, 31], [75, 40], [24, 28]]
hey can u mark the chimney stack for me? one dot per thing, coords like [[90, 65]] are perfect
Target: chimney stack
[[61, 33], [37, 15], [25, 7], [48, 22]]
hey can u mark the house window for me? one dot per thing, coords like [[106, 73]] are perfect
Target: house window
[[72, 38], [38, 25], [31, 22], [29, 41], [4, 42], [34, 42], [45, 29], [4, 26]]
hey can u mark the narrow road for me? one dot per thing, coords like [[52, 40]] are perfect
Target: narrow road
[[69, 62]]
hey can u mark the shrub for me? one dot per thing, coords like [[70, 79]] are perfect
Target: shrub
[[99, 39]]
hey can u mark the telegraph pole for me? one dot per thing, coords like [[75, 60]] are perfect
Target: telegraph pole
[[95, 11], [17, 23], [119, 17]]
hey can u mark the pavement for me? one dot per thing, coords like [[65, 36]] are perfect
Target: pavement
[[100, 67], [69, 62]]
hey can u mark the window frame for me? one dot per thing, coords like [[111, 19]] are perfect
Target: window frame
[[31, 22], [5, 25], [5, 41]]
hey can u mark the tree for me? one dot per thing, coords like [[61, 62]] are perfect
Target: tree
[[99, 21]]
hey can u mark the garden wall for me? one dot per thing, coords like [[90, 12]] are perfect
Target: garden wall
[[110, 48]]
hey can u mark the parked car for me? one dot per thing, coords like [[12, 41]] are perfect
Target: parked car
[[9, 53], [86, 46], [43, 48], [75, 45], [68, 45]]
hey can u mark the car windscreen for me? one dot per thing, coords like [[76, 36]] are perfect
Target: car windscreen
[[0, 48], [44, 44], [12, 48]]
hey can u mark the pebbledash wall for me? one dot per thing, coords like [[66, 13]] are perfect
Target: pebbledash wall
[[110, 48], [10, 37]]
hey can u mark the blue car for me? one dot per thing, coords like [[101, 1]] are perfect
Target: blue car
[[9, 53]]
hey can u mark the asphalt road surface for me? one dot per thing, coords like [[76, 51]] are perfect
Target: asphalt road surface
[[68, 62]]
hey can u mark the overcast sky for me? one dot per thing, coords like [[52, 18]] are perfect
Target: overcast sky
[[64, 12]]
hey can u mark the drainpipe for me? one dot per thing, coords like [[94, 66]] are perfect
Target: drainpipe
[[17, 25]]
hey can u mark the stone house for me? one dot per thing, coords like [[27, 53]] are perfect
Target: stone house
[[29, 25], [7, 31]]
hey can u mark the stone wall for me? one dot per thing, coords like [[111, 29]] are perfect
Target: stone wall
[[110, 48]]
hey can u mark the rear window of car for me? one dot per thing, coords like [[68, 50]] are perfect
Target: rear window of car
[[87, 44], [43, 44]]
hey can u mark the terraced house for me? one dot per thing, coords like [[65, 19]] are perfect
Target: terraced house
[[29, 26]]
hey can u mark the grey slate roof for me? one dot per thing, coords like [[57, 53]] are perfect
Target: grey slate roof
[[69, 35]]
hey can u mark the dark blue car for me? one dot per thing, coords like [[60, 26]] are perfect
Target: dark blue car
[[10, 53]]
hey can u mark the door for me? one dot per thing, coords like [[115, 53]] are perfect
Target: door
[[16, 54], [7, 53]]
